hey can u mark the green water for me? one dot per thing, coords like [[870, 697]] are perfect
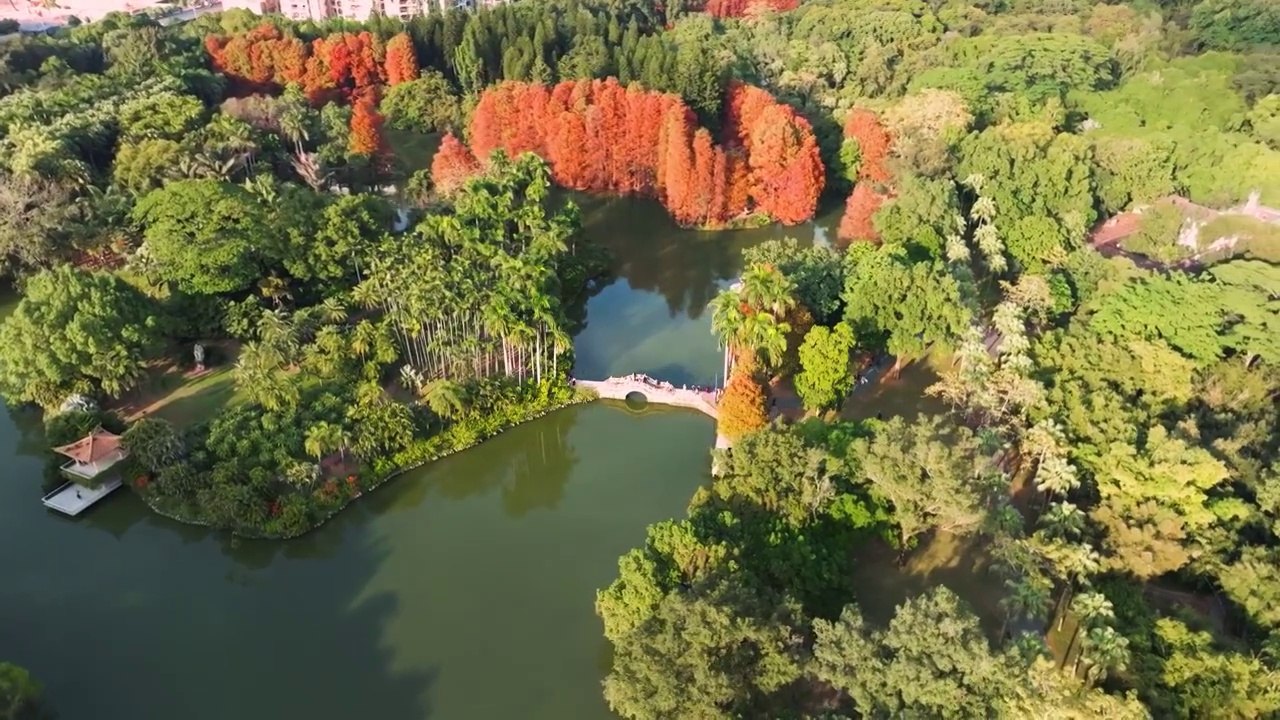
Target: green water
[[462, 590], [651, 319]]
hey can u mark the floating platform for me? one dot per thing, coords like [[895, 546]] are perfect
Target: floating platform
[[72, 499]]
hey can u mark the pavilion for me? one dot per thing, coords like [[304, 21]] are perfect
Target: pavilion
[[91, 460]]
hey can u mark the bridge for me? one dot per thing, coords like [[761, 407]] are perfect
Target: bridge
[[619, 388]]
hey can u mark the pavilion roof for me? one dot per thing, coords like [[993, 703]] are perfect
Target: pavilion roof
[[92, 448]]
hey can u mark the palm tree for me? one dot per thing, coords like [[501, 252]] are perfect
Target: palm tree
[[1091, 609], [332, 311], [277, 332], [1056, 476], [765, 288], [444, 397], [293, 125], [1043, 439], [363, 338], [275, 289], [324, 437], [727, 319], [1063, 520], [1108, 652], [258, 375], [762, 333], [1028, 597]]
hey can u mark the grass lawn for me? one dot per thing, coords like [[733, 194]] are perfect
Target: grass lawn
[[903, 395], [410, 151], [172, 393], [960, 563]]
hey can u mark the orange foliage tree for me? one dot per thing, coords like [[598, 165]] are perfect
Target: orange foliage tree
[[857, 224], [452, 165], [261, 60], [873, 144], [402, 61], [742, 8], [265, 60], [601, 137], [366, 126], [786, 171], [741, 409]]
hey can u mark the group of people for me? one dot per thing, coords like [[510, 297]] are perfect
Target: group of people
[[663, 385]]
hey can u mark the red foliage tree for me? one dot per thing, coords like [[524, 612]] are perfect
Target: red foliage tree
[[677, 165], [873, 143], [402, 61], [861, 207], [601, 137], [787, 175], [742, 8], [259, 61], [366, 126], [452, 165]]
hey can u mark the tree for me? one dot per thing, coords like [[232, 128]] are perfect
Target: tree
[[864, 128], [741, 409], [824, 379], [929, 474], [75, 332], [859, 212], [452, 165], [444, 397], [816, 272], [402, 61], [325, 437], [425, 105], [205, 236], [154, 443], [1203, 680], [1106, 651], [366, 127], [35, 217], [713, 653], [20, 694], [912, 305], [381, 426], [1091, 610], [933, 660]]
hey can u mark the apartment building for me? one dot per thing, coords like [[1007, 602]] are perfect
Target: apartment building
[[349, 9]]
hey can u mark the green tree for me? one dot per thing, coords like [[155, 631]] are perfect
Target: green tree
[[205, 236], [425, 105], [160, 116], [824, 379], [35, 219], [816, 272], [1206, 681], [910, 305], [929, 474], [75, 332], [325, 437], [154, 443], [715, 653], [19, 694], [932, 661], [444, 397]]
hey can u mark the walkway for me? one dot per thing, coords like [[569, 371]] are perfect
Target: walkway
[[618, 388]]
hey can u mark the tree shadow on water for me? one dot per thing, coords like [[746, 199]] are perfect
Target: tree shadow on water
[[191, 623]]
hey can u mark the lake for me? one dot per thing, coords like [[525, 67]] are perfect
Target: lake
[[462, 590]]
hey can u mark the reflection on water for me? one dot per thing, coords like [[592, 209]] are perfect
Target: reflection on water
[[650, 319], [462, 590]]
